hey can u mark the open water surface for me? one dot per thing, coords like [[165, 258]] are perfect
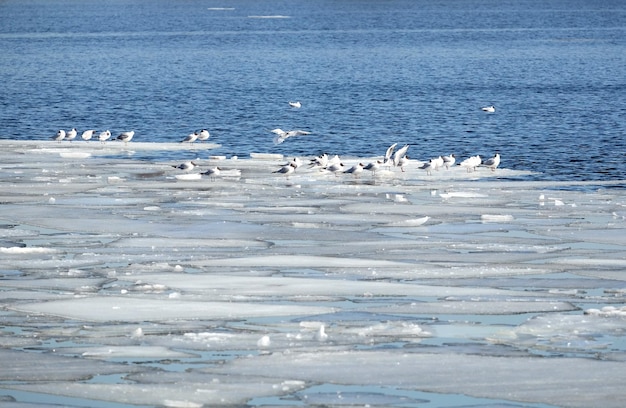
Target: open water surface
[[368, 73]]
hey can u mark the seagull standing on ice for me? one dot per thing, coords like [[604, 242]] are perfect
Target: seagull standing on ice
[[204, 135], [295, 162], [471, 163], [449, 161], [428, 166], [287, 169], [373, 166], [490, 109], [186, 166], [493, 162], [192, 137], [437, 162], [399, 155], [295, 104], [388, 153], [319, 161], [212, 172], [104, 136], [87, 134], [59, 136], [126, 136], [355, 170], [71, 135], [335, 168], [281, 135]]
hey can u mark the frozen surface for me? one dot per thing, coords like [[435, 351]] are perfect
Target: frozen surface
[[126, 282]]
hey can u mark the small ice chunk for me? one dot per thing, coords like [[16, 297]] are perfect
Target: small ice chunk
[[137, 333], [496, 218], [264, 342], [190, 176]]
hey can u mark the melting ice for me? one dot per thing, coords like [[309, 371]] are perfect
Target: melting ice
[[125, 283]]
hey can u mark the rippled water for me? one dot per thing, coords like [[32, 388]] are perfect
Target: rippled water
[[368, 73]]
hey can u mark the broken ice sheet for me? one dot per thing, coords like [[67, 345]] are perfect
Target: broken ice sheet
[[474, 375], [270, 284], [592, 333], [190, 390]]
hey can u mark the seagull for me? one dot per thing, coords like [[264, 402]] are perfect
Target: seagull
[[490, 109], [126, 136], [87, 134], [355, 170], [71, 135], [335, 168], [493, 162], [319, 161], [190, 138], [186, 166], [428, 166], [287, 169], [449, 160], [400, 154], [388, 153], [59, 136], [295, 162], [373, 166], [281, 135], [104, 136], [437, 162], [212, 172], [204, 135], [404, 160], [471, 163], [296, 104]]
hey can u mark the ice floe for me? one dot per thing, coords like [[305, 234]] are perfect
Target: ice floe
[[127, 282]]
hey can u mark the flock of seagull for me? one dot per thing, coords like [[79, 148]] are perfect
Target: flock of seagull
[[333, 165], [392, 158], [125, 137]]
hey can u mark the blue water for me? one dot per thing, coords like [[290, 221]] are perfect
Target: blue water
[[368, 73]]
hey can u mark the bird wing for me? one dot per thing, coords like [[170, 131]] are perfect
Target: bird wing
[[389, 151], [278, 131]]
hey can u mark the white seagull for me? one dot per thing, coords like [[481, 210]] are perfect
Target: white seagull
[[335, 168], [428, 166], [295, 104], [192, 137], [471, 163], [212, 172], [490, 109], [437, 162], [449, 161], [399, 155], [126, 136], [59, 136], [71, 135], [493, 162], [87, 134], [319, 161], [104, 136], [186, 166], [204, 135], [373, 166], [287, 169], [355, 170], [281, 135], [295, 162], [388, 153]]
